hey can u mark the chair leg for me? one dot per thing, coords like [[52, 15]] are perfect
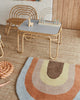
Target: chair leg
[[22, 43], [18, 42], [8, 30]]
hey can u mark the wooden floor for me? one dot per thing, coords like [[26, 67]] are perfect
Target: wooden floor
[[69, 51]]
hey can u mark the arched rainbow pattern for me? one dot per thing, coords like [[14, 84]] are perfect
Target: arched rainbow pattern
[[48, 80]]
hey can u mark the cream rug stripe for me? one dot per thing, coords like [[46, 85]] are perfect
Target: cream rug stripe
[[54, 82]]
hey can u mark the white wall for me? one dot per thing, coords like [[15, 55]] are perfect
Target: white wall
[[6, 5]]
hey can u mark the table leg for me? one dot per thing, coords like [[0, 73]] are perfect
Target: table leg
[[23, 43], [50, 47], [60, 37], [18, 44], [50, 53]]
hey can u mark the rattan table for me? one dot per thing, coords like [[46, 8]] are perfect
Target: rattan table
[[49, 31]]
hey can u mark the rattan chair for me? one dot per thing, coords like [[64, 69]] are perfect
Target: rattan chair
[[18, 14]]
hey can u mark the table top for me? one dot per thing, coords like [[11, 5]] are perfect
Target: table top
[[40, 28]]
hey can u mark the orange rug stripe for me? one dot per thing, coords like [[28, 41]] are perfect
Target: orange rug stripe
[[37, 95]]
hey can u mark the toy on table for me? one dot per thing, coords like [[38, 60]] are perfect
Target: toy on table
[[30, 24]]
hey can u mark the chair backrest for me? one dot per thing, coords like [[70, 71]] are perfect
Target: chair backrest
[[23, 11]]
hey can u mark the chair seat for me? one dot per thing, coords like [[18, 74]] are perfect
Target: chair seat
[[15, 21]]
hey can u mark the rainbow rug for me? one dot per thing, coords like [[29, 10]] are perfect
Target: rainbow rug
[[48, 80]]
